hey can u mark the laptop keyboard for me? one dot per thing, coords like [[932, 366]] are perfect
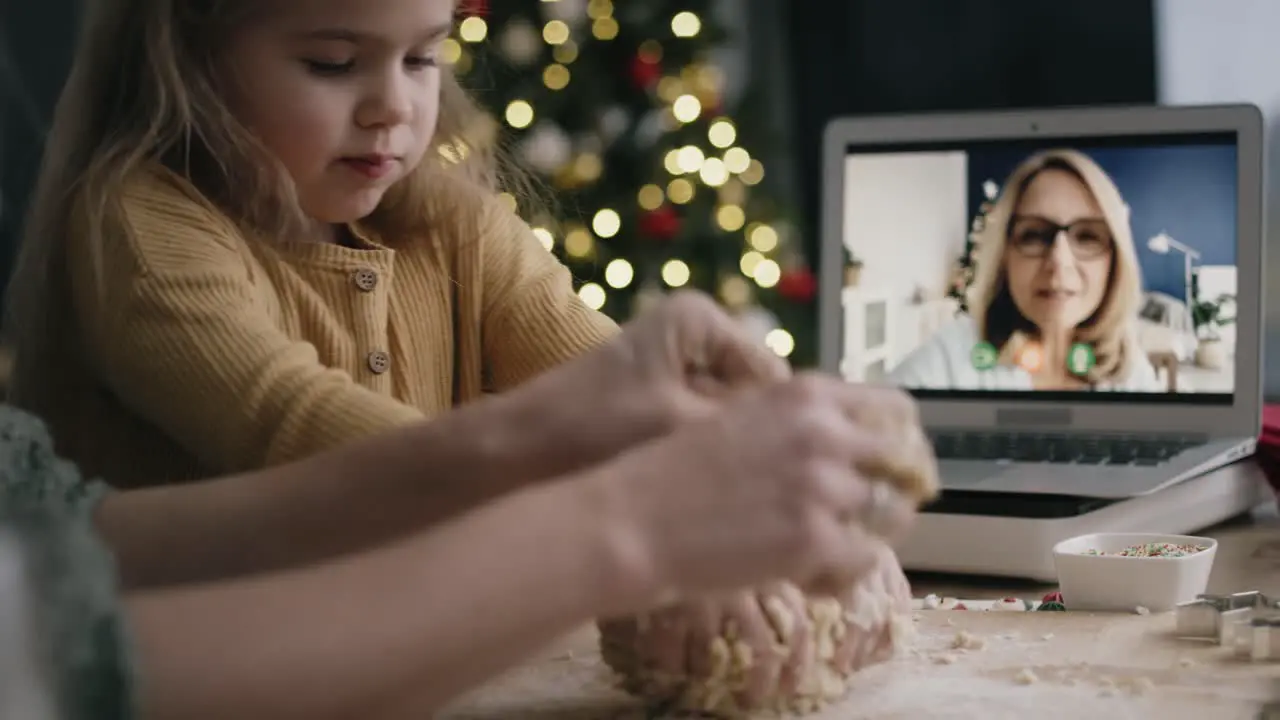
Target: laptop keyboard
[[1061, 449]]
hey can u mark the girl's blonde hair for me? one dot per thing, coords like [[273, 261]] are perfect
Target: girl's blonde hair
[[1110, 329], [143, 90]]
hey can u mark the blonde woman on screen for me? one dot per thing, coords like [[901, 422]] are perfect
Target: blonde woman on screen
[[1056, 292]]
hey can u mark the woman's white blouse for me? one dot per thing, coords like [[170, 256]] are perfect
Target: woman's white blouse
[[945, 362]]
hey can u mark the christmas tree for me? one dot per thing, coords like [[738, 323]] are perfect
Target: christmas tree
[[620, 109], [966, 266]]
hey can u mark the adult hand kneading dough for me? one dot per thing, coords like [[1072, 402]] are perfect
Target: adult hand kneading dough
[[822, 634]]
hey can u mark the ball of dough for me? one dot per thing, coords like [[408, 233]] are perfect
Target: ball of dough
[[832, 622]]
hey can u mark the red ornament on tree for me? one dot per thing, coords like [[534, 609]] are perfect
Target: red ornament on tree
[[645, 73], [468, 8], [660, 224], [798, 285]]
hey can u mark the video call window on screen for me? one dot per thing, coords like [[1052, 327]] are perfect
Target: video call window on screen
[[1103, 267]]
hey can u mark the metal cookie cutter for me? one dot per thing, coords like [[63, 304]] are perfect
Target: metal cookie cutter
[[1216, 617], [1258, 639]]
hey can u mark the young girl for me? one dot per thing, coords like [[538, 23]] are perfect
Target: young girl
[[246, 245]]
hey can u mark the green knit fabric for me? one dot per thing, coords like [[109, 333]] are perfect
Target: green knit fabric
[[71, 575]]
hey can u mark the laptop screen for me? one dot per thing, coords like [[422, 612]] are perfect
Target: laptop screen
[[1089, 269]]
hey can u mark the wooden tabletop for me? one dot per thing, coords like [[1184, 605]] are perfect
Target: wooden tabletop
[[1085, 665]]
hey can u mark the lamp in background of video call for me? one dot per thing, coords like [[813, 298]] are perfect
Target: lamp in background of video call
[[1225, 51]]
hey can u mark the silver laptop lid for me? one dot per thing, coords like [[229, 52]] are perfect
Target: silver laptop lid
[[1076, 269]]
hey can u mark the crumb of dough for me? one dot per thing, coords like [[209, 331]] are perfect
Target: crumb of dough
[[1142, 610], [965, 640], [1047, 636], [944, 659], [1025, 676], [1140, 685], [1186, 662]]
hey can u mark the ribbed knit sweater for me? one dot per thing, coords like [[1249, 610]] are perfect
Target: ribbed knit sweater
[[195, 350]]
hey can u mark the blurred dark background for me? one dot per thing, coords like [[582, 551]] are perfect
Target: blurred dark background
[[859, 56], [869, 57], [36, 41]]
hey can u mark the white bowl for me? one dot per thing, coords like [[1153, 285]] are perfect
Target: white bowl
[[1121, 583]]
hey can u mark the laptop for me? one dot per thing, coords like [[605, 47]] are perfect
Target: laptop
[[1073, 296]]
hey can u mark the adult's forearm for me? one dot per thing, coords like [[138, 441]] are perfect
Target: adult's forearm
[[341, 501], [425, 618]]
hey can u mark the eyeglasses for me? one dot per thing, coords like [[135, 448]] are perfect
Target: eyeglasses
[[1033, 236]]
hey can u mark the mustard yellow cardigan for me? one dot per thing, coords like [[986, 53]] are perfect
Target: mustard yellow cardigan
[[195, 351]]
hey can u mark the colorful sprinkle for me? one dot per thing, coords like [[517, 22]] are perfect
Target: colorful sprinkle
[[1051, 606], [1055, 596], [1153, 550]]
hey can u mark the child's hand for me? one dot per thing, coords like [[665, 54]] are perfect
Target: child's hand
[[675, 643], [741, 617], [875, 644], [676, 362], [693, 351]]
